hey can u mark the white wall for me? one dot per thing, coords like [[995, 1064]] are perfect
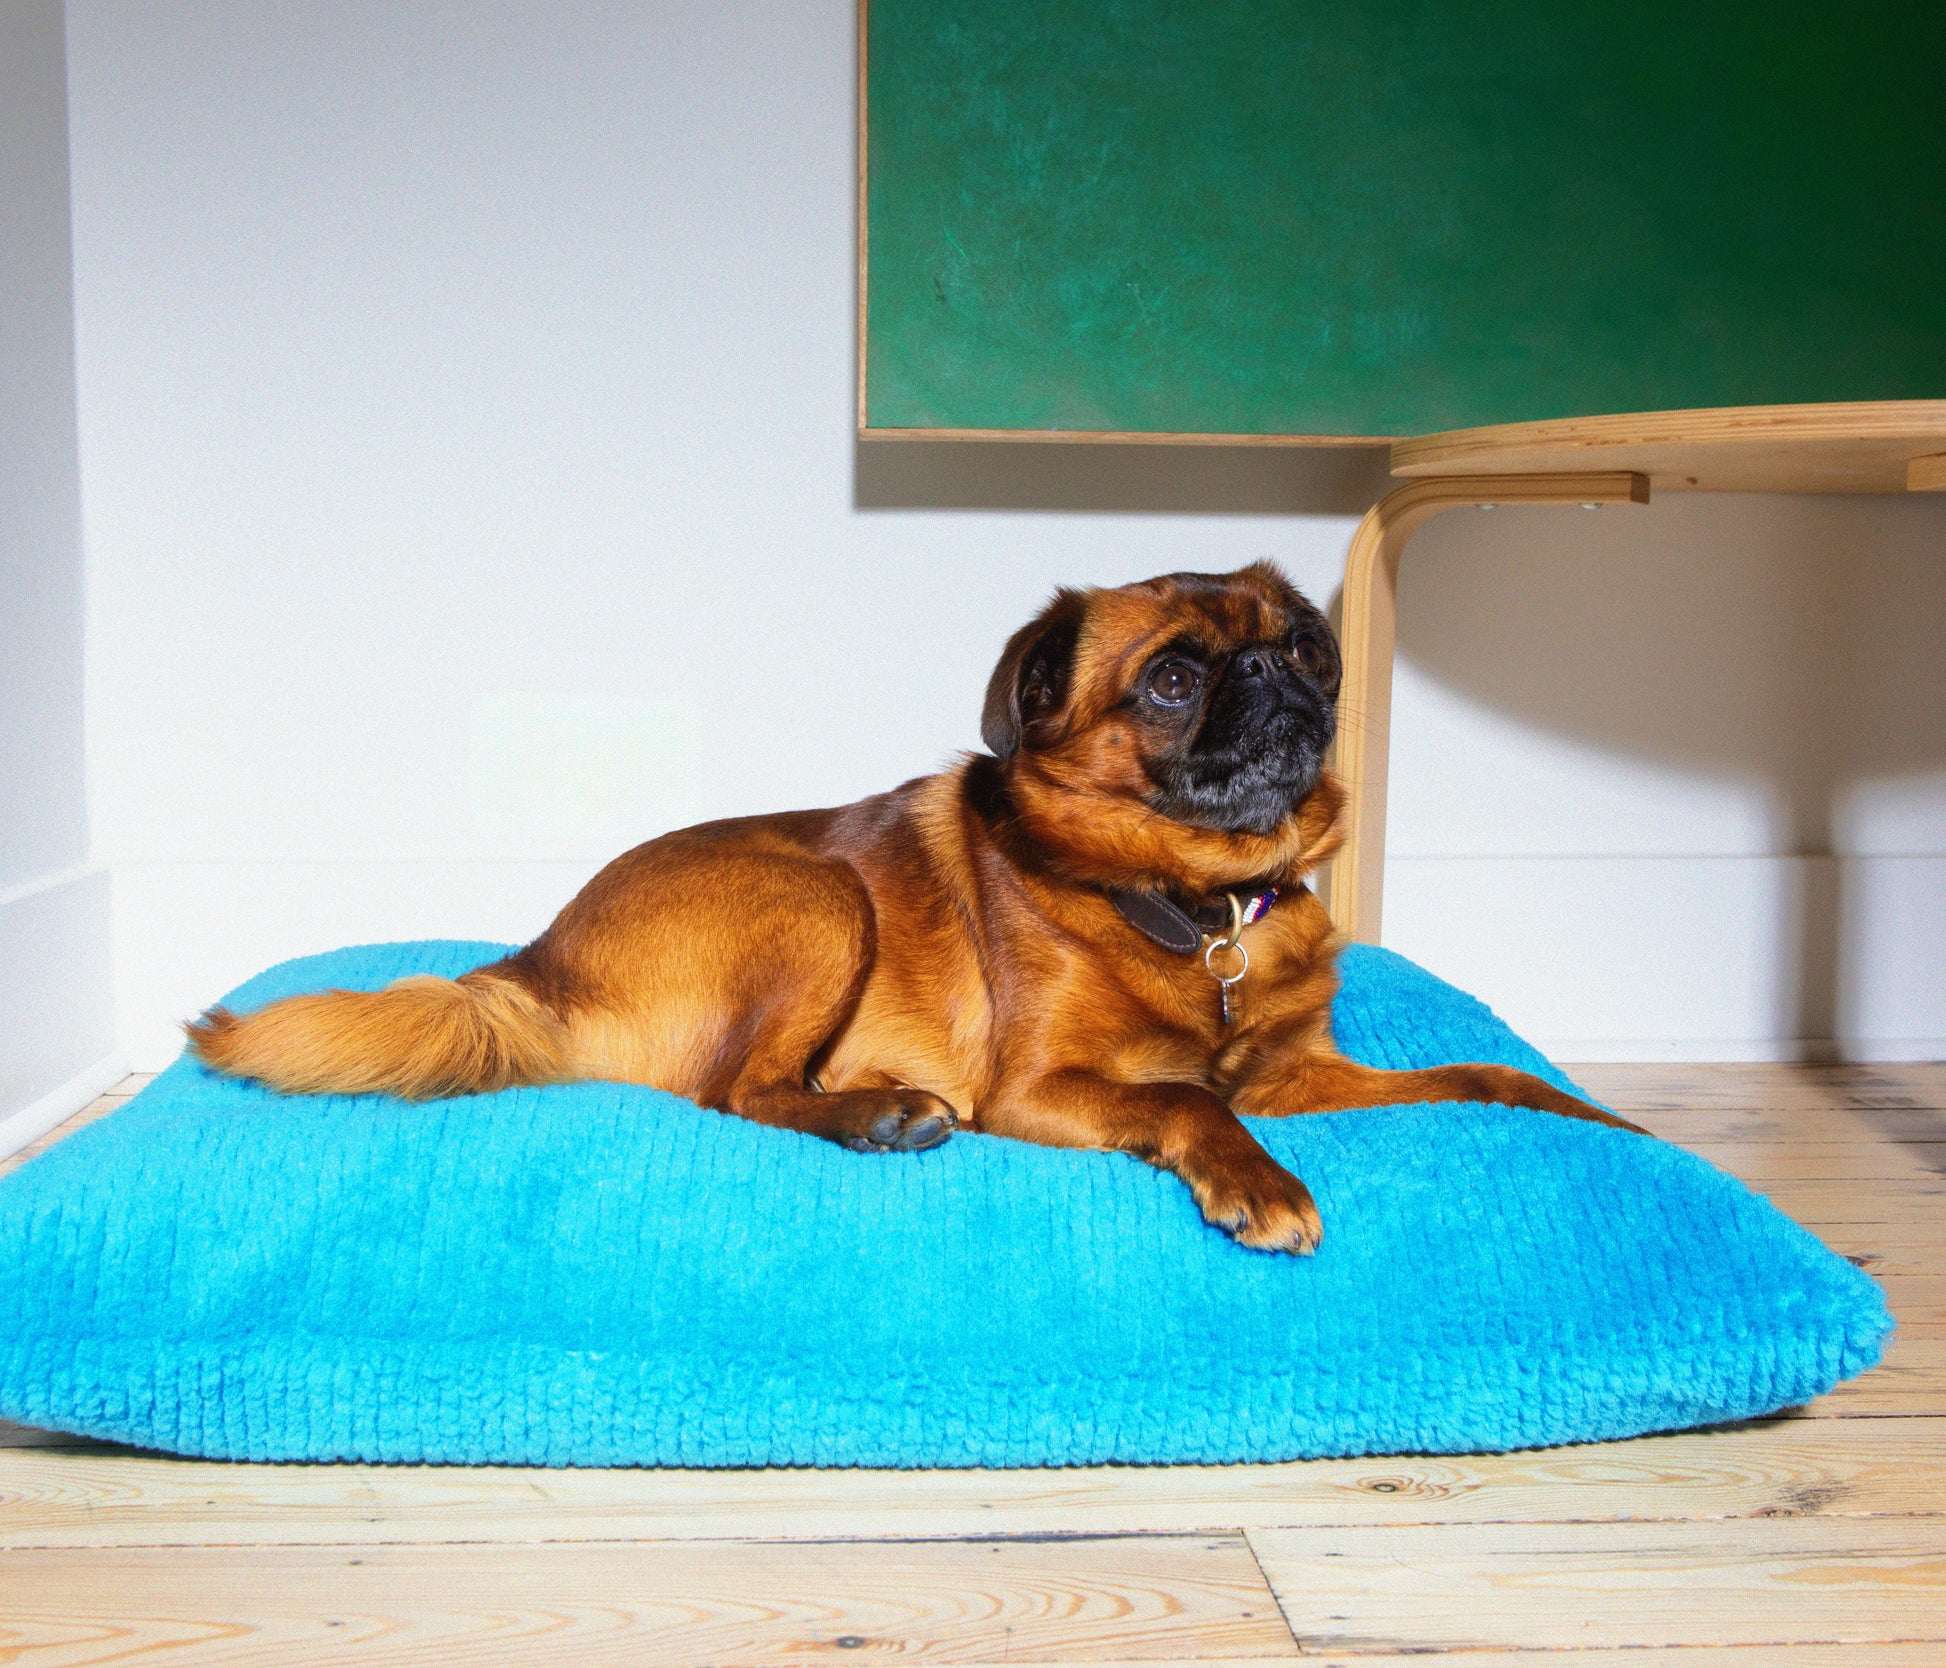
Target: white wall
[[54, 986], [1678, 776], [466, 400]]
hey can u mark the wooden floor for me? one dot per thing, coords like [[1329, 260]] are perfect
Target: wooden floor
[[1817, 1537]]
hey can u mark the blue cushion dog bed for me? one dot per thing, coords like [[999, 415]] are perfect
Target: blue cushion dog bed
[[598, 1274]]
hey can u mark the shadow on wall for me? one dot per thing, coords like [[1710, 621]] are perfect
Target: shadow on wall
[[1801, 645], [1116, 479]]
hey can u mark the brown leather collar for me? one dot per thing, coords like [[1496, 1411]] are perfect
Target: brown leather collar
[[1182, 926]]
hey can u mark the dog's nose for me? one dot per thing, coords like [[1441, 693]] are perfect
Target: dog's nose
[[1255, 663]]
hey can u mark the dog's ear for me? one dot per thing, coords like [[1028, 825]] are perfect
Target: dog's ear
[[1030, 686]]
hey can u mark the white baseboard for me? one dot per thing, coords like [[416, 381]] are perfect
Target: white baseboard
[[1688, 958], [31, 1122]]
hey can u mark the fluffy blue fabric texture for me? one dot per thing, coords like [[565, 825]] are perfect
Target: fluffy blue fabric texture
[[606, 1275]]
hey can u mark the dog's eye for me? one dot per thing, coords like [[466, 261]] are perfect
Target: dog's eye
[[1173, 682], [1308, 653]]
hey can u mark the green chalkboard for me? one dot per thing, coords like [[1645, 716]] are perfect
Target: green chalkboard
[[1342, 217]]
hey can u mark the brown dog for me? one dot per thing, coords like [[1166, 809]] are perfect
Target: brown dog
[[1029, 945]]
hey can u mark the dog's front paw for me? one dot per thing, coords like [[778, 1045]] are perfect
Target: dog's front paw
[[1261, 1205], [896, 1121]]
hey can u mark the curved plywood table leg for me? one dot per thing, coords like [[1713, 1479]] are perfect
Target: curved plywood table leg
[[1353, 888]]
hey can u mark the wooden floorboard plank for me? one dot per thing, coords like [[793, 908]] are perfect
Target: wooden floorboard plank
[[1883, 1258], [1793, 1107], [1915, 1298], [1802, 1111], [1806, 1120], [1910, 1381], [1805, 1115], [1905, 1243], [1894, 1087], [1613, 1586], [1913, 1197], [1826, 1468], [1833, 1161], [99, 1107], [1909, 1204], [1922, 1242], [1799, 1104], [1909, 1654], [1803, 1120], [1128, 1598], [1833, 1155]]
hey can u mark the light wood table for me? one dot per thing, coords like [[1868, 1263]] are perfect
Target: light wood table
[[1881, 446]]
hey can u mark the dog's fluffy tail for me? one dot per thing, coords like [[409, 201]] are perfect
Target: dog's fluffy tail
[[420, 1038]]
